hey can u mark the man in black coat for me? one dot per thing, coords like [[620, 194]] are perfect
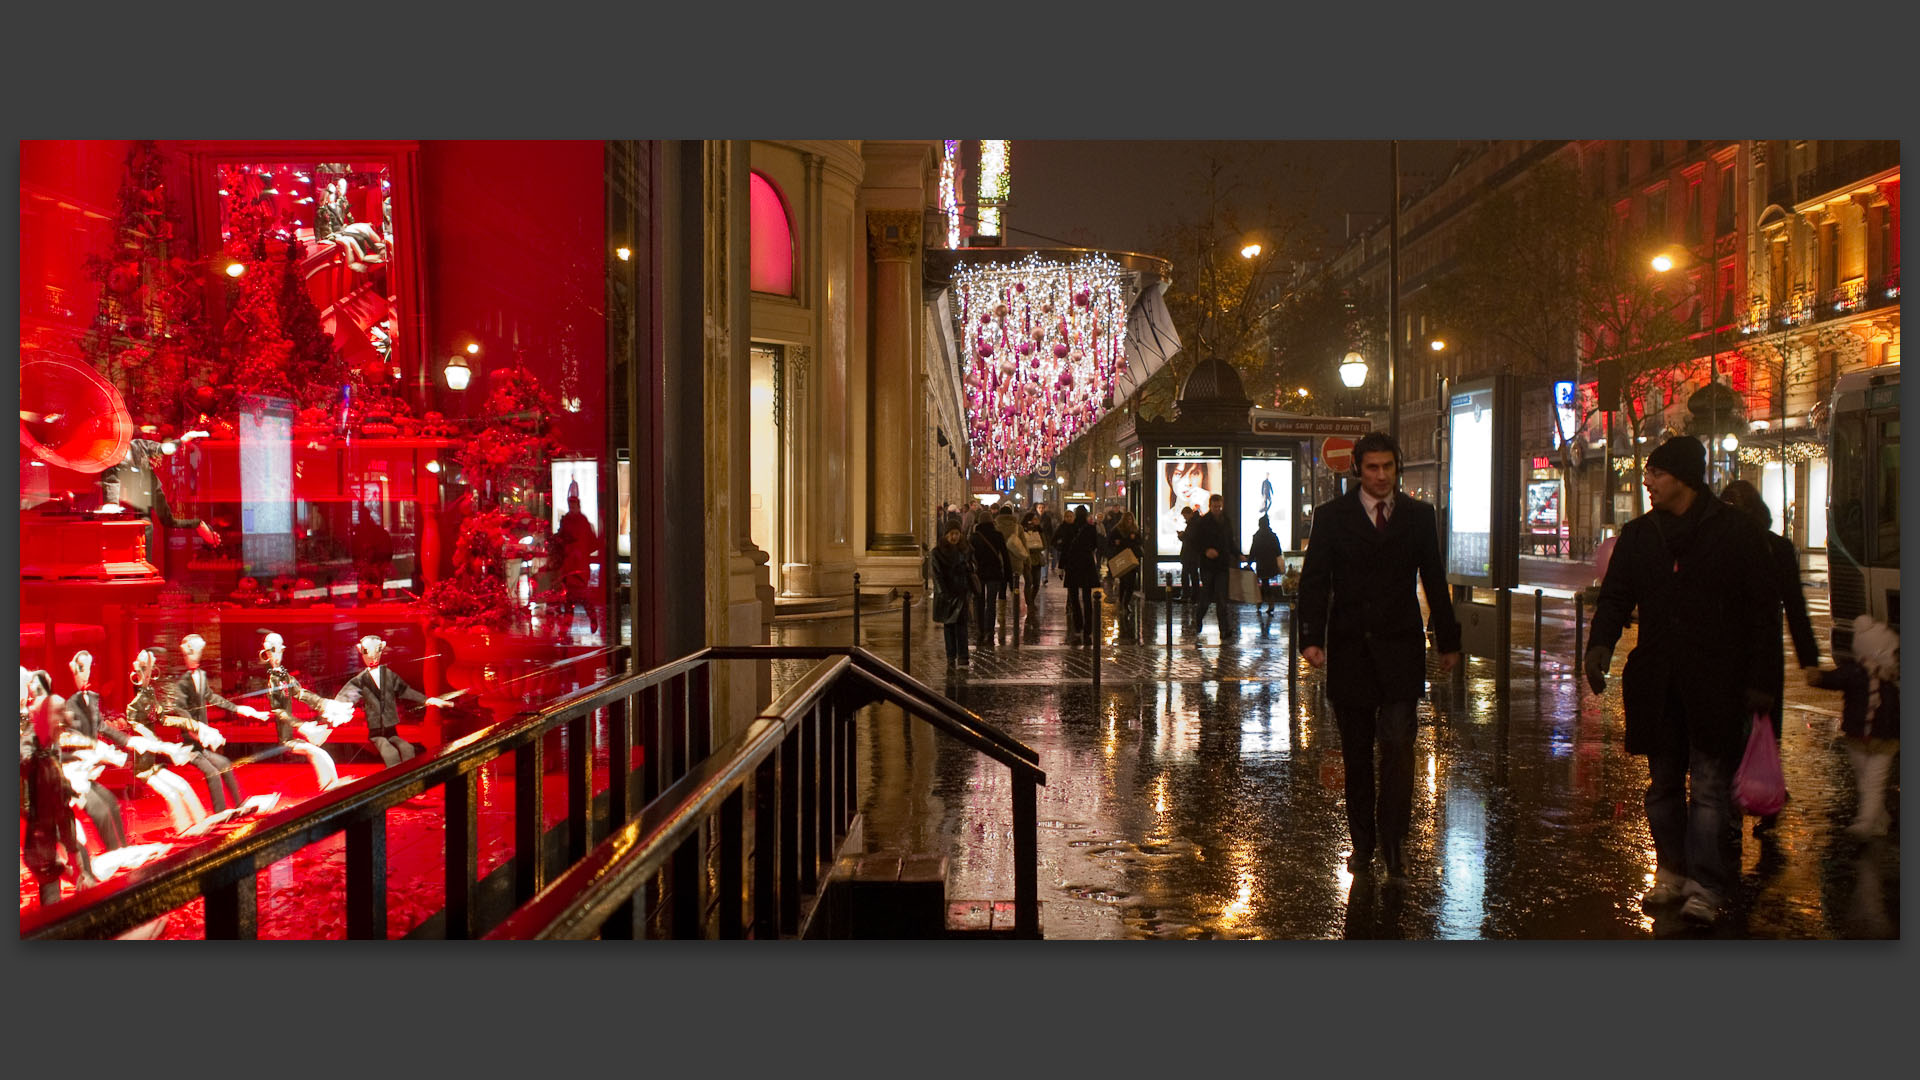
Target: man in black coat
[[1360, 619], [1216, 552], [1698, 572], [993, 566]]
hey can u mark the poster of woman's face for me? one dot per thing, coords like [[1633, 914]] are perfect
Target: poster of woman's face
[[1190, 482]]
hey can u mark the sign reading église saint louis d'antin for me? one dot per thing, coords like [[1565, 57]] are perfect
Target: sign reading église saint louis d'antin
[[1312, 426]]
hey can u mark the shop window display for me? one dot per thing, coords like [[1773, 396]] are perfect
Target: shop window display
[[237, 434]]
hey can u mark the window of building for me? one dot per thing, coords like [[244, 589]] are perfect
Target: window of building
[[1656, 154], [771, 239], [1723, 212], [1829, 256], [1620, 163], [1693, 212], [1657, 211]]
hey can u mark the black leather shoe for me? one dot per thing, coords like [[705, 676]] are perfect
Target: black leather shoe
[[1396, 860], [1360, 865]]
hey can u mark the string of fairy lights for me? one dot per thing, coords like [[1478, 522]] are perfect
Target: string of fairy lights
[[1042, 340]]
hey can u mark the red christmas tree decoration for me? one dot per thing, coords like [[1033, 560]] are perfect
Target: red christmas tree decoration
[[148, 330]]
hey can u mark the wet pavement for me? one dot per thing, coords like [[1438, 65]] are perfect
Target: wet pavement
[[1198, 794]]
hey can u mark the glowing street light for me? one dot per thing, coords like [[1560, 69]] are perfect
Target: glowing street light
[[1353, 370], [1251, 251], [1113, 462], [458, 373], [1662, 263], [1439, 345], [1730, 443]]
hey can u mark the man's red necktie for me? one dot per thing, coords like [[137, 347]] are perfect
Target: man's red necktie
[[1380, 515]]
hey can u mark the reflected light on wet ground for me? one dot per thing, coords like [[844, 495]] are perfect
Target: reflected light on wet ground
[[1200, 794]]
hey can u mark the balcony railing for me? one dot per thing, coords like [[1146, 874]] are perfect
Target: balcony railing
[[1842, 171]]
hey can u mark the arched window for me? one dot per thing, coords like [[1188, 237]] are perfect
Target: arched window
[[771, 234]]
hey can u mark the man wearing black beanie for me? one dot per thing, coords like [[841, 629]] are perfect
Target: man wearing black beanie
[[1697, 572]]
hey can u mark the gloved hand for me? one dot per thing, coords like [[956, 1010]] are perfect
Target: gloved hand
[[1598, 659], [1759, 701]]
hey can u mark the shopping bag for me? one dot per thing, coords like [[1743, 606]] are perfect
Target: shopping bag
[[1758, 785], [1124, 562], [1243, 587]]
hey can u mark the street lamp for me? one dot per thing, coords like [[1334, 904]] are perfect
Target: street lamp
[[1113, 462], [1251, 251], [1353, 370]]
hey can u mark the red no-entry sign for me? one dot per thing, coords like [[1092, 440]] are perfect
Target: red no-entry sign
[[1337, 452]]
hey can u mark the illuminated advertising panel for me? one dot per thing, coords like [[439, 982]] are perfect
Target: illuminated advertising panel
[[1470, 486], [266, 486], [1189, 476], [1266, 488]]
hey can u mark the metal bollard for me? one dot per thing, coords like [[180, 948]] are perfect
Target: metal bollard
[[1093, 618], [1169, 613], [1293, 652], [1579, 632], [856, 609], [1537, 594], [906, 631]]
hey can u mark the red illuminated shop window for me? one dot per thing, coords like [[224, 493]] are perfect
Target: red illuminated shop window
[[327, 391]]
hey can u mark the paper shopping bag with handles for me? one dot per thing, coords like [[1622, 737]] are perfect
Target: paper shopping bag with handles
[[1758, 785]]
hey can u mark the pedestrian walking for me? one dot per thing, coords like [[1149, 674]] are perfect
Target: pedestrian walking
[[952, 585], [992, 568], [1360, 619], [1189, 558], [1080, 570], [1017, 562], [1869, 718], [1745, 498], [1049, 532], [1698, 574], [1034, 540], [1264, 553], [1218, 553], [1125, 536]]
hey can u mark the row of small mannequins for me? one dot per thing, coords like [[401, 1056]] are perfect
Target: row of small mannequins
[[66, 744]]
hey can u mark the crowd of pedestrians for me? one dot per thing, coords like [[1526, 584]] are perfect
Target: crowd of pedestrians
[[1701, 575]]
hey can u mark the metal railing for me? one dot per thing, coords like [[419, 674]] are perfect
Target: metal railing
[[670, 711], [795, 767]]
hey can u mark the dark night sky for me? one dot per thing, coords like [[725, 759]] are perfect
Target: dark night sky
[[1118, 195]]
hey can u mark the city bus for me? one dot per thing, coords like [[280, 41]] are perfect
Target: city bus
[[1863, 501]]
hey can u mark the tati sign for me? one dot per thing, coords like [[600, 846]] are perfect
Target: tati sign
[[1337, 453]]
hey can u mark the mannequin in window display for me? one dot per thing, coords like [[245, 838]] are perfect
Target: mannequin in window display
[[333, 220], [133, 484], [378, 690], [574, 545], [301, 739], [193, 692], [142, 716], [49, 836], [85, 753]]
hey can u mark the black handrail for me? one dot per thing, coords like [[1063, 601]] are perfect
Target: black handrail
[[601, 894], [673, 704], [223, 873]]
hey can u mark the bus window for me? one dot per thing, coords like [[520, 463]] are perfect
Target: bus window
[[1845, 475], [1886, 499]]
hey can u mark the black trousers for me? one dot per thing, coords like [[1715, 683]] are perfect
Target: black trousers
[[393, 749], [1080, 610], [1392, 725], [103, 809], [1213, 592], [218, 772]]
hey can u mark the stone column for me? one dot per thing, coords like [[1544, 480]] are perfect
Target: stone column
[[894, 239]]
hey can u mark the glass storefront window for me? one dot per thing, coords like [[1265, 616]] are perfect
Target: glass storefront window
[[325, 390]]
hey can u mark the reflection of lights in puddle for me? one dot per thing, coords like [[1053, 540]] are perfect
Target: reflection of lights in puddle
[[1160, 794], [1242, 904], [1433, 773]]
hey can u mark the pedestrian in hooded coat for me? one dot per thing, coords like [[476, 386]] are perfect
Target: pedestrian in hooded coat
[[1699, 575], [1080, 569], [1745, 498], [1264, 553], [994, 567], [953, 577]]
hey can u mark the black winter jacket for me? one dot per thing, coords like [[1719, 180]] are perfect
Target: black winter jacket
[[1706, 592]]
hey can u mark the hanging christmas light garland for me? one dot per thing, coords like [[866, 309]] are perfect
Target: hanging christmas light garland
[[1041, 342]]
